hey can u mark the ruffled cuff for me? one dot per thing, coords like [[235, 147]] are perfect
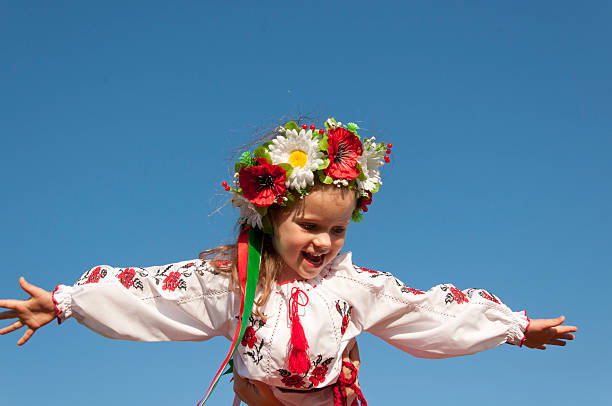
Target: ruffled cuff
[[516, 334], [62, 298]]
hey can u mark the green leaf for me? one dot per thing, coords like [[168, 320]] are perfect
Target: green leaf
[[324, 165], [261, 210], [376, 188], [262, 152], [324, 144], [362, 176], [238, 166], [267, 225], [357, 216], [290, 197], [333, 120], [353, 127], [291, 125], [287, 167], [321, 176]]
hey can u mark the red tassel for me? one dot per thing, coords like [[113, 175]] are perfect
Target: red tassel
[[299, 362]]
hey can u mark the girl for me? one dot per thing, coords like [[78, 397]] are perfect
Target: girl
[[297, 194]]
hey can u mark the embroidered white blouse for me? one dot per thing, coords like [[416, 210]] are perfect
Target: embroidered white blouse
[[191, 301]]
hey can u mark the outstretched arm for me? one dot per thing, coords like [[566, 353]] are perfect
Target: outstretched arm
[[34, 312], [543, 332]]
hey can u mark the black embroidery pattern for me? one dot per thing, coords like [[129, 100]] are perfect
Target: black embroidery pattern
[[454, 295]]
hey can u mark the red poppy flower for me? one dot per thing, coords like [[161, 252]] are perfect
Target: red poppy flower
[[171, 282], [262, 184], [94, 276], [293, 380], [344, 149], [249, 337], [127, 277], [458, 295], [318, 375]]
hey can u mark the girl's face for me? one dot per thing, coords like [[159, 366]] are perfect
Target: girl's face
[[308, 237]]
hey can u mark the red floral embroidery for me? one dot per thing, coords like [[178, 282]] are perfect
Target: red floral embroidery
[[345, 323], [318, 375], [95, 275], [458, 295], [345, 312], [127, 277], [295, 381], [486, 295], [249, 337], [406, 289], [262, 184], [344, 149], [172, 281], [368, 270]]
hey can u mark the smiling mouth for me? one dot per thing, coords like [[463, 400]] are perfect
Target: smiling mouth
[[314, 260]]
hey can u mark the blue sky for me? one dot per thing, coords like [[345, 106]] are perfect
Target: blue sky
[[118, 122]]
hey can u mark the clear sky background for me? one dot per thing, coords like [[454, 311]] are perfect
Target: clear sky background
[[118, 121]]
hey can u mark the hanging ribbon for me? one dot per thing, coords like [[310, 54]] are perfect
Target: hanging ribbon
[[250, 243], [340, 397]]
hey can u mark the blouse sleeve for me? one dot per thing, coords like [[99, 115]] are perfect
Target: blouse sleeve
[[439, 323], [185, 301]]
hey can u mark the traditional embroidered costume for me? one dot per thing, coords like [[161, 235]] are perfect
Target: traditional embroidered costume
[[297, 346], [191, 301]]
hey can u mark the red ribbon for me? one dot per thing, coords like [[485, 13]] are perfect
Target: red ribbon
[[342, 382]]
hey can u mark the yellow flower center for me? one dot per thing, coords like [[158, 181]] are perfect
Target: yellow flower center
[[298, 159]]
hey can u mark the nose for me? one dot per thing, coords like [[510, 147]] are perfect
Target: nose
[[322, 242]]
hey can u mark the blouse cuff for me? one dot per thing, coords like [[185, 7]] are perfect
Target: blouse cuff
[[62, 298], [516, 334]]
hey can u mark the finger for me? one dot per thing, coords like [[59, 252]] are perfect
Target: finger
[[9, 329], [555, 322], [9, 314], [566, 329], [28, 287], [9, 303], [542, 347], [566, 336], [557, 342], [26, 336]]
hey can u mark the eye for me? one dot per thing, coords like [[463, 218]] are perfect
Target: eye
[[307, 226], [339, 230]]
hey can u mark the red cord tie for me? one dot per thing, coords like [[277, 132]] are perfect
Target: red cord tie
[[299, 362], [342, 382]]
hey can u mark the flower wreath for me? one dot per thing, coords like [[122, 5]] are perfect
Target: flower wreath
[[283, 169]]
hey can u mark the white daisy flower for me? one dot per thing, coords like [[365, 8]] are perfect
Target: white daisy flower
[[248, 214], [301, 151], [370, 160]]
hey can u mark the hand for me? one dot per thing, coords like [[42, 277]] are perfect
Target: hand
[[34, 312], [254, 393], [542, 332]]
